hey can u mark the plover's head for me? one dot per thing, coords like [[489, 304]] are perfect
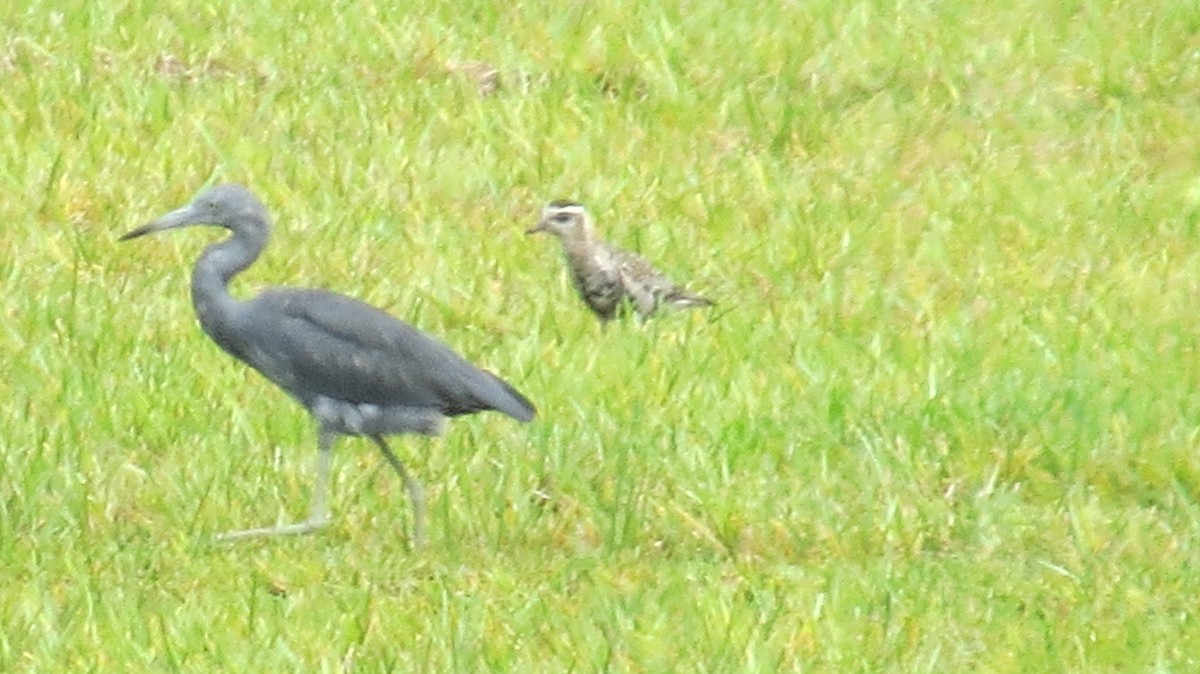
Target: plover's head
[[565, 219]]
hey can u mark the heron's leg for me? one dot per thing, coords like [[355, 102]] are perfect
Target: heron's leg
[[319, 515], [416, 493]]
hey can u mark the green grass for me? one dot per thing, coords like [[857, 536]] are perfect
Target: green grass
[[944, 419]]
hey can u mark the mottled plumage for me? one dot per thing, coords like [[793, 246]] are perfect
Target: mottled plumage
[[607, 276], [356, 369]]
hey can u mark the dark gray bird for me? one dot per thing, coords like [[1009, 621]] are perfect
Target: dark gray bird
[[357, 370], [607, 276]]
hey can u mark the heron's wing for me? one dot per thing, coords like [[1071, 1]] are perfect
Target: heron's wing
[[313, 342]]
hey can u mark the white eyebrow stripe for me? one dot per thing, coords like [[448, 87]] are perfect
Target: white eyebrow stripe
[[574, 209]]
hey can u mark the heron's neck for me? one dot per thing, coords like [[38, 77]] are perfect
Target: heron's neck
[[218, 264]]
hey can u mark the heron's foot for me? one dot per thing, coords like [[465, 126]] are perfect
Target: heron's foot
[[311, 525]]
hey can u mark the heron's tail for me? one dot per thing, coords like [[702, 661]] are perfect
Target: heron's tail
[[504, 398]]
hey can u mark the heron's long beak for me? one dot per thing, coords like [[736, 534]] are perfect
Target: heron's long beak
[[180, 217]]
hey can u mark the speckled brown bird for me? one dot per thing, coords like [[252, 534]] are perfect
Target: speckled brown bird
[[607, 276]]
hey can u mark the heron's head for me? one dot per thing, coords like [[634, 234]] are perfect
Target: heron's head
[[564, 219], [230, 206]]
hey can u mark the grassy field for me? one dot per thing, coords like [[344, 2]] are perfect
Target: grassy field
[[944, 419]]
